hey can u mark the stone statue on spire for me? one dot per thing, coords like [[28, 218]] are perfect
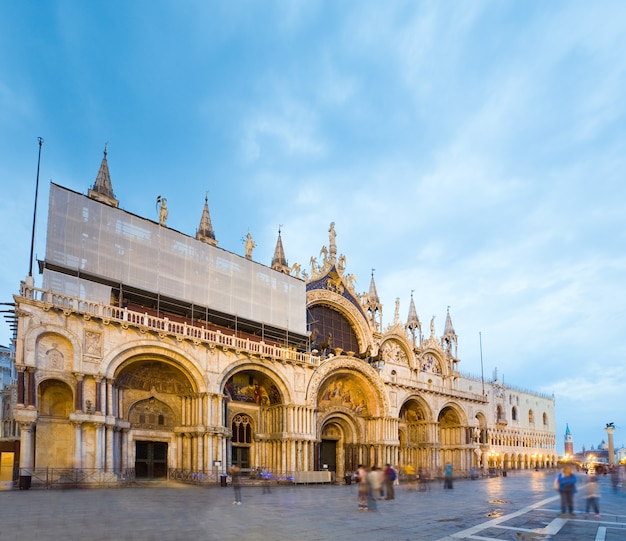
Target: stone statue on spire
[[332, 247]]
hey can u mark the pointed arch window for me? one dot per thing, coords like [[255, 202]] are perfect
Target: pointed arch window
[[242, 429]]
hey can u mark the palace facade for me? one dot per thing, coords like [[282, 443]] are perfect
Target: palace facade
[[149, 353]]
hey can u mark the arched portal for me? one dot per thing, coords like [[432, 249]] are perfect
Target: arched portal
[[413, 426], [339, 451], [348, 408], [454, 439], [157, 398], [256, 417]]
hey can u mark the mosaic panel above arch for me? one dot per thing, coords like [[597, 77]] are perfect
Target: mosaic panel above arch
[[414, 411], [253, 386], [346, 391], [431, 363], [367, 377], [152, 414], [451, 415], [154, 375]]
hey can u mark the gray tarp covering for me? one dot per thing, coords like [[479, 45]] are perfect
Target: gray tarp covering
[[92, 238]]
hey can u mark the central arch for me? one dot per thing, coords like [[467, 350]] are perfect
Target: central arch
[[157, 398]]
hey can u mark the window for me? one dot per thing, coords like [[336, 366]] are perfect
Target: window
[[330, 328], [242, 429]]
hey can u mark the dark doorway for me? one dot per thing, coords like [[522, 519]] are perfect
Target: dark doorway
[[241, 457], [328, 455], [150, 460]]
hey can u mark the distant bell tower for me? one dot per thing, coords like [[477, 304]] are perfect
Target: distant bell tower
[[569, 442]]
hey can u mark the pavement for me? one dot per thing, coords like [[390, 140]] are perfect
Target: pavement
[[522, 505]]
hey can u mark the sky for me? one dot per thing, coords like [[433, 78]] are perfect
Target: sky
[[470, 153]]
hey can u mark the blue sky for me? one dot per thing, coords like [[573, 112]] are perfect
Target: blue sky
[[471, 152]]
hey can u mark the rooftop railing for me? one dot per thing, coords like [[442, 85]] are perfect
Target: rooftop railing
[[162, 325]]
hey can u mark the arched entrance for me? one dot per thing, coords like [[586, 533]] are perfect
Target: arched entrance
[[338, 448], [348, 408], [256, 418], [155, 397], [413, 428], [454, 438]]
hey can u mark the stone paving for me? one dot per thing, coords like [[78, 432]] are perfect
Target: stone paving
[[511, 507]]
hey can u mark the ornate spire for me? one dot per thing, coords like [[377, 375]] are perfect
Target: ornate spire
[[449, 338], [205, 231], [413, 323], [279, 262], [448, 328], [373, 293], [373, 306], [102, 189]]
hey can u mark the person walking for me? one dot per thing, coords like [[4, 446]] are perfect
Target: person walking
[[267, 480], [447, 476], [567, 488], [390, 478], [374, 485], [235, 473], [361, 473], [592, 496]]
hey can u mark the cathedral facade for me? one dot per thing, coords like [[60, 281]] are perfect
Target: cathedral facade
[[148, 353]]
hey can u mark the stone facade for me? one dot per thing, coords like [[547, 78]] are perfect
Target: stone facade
[[121, 390]]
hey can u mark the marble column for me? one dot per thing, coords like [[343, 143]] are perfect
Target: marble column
[[78, 445]]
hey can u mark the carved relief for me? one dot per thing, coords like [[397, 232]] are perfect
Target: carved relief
[[393, 353], [54, 352], [93, 343], [54, 358]]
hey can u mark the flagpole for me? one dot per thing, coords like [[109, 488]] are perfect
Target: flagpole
[[32, 240], [482, 375]]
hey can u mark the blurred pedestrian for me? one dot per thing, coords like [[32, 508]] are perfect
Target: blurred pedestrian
[[567, 488], [411, 479], [374, 485], [267, 479], [361, 478], [447, 476], [235, 473], [390, 477], [592, 496]]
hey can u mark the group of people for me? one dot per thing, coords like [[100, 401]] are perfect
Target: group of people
[[375, 484], [566, 483]]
